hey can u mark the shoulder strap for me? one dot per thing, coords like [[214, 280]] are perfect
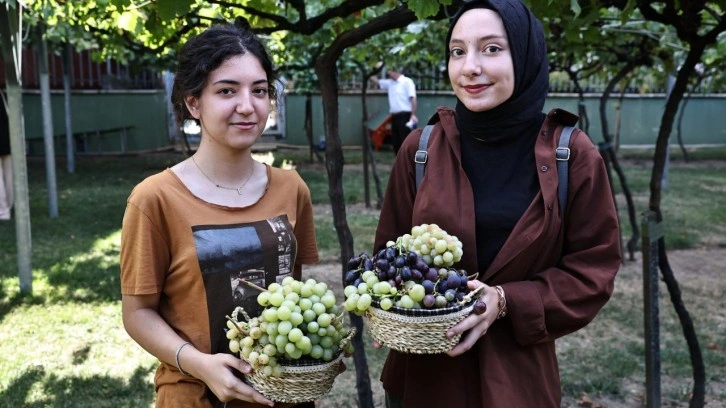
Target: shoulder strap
[[422, 154], [562, 154]]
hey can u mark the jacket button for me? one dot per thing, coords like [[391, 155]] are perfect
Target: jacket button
[[543, 168]]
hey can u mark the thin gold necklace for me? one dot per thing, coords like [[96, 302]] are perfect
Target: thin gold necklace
[[238, 189]]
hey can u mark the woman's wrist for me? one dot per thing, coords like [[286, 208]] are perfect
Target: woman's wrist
[[176, 357], [502, 302]]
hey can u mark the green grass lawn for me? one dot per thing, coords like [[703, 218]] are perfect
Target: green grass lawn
[[65, 346]]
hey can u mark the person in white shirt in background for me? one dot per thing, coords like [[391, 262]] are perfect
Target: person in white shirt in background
[[401, 103]]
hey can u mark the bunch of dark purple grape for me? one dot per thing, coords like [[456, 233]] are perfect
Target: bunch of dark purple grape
[[395, 276]]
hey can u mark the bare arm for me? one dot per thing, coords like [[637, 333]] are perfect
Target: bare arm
[[144, 324]]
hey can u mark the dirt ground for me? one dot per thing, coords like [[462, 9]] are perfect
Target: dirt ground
[[702, 268]]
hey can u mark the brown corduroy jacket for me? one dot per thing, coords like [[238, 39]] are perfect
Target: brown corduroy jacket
[[556, 276]]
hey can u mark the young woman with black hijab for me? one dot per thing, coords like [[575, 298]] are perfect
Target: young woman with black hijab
[[491, 180]]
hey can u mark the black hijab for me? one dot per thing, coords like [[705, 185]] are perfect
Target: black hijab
[[522, 112]]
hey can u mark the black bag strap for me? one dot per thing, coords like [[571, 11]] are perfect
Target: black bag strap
[[562, 155], [422, 154]]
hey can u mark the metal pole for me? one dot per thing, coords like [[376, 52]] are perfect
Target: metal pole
[[652, 232]]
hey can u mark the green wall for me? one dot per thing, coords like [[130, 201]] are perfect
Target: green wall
[[703, 124], [145, 111], [703, 121]]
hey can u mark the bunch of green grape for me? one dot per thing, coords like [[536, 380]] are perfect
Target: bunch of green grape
[[300, 321], [433, 244], [402, 277]]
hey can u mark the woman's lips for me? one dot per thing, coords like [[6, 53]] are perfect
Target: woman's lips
[[474, 89]]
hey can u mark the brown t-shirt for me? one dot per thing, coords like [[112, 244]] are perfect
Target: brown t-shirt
[[193, 252]]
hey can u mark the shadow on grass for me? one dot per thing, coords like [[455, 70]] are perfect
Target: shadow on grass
[[95, 391]]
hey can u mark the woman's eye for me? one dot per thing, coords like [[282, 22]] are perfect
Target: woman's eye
[[456, 52], [261, 91], [492, 49], [226, 91]]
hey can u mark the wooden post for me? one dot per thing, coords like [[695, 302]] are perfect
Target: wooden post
[[652, 232]]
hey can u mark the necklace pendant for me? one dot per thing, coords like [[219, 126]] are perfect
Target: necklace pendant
[[239, 190]]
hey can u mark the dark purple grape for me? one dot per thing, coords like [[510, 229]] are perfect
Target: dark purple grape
[[464, 279], [429, 301], [382, 265], [399, 261], [421, 265], [453, 281], [391, 273], [479, 307], [431, 274], [354, 262], [416, 275], [460, 296], [382, 275], [441, 286], [412, 259], [368, 264], [357, 281], [398, 280], [350, 277], [428, 286], [406, 273], [390, 254]]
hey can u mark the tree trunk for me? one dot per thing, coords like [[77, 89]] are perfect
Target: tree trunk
[[70, 142], [11, 45], [326, 71], [48, 141], [659, 160]]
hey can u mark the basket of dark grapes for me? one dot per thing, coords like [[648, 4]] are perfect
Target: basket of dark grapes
[[296, 345], [409, 292]]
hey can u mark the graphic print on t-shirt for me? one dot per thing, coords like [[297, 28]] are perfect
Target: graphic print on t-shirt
[[261, 252]]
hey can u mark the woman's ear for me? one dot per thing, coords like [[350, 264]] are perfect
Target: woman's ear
[[192, 106]]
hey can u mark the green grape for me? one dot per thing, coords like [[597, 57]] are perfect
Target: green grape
[[417, 293], [292, 297], [386, 303], [306, 290], [349, 290], [326, 342], [319, 308], [309, 315], [270, 350], [281, 341], [232, 333], [328, 300], [277, 298], [263, 298], [283, 313], [284, 327], [364, 302], [295, 335], [296, 318], [407, 302], [316, 351], [234, 346], [324, 319], [320, 288], [313, 327]]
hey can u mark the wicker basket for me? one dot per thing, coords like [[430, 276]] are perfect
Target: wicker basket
[[417, 331], [301, 380], [298, 383]]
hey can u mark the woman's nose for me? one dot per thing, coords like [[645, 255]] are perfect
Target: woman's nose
[[244, 103], [472, 64]]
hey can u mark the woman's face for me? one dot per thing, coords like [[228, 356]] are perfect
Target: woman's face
[[234, 104], [480, 61]]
